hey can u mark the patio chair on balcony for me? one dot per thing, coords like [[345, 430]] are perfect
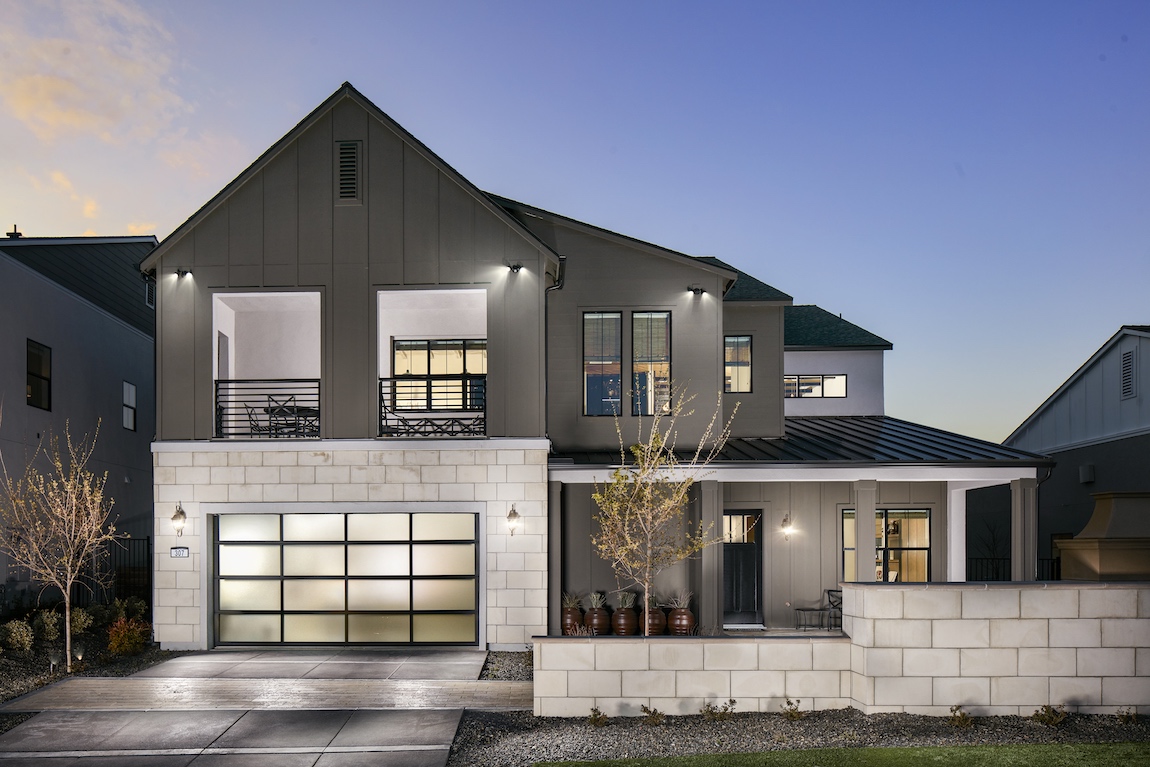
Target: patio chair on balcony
[[282, 418], [256, 425], [834, 609]]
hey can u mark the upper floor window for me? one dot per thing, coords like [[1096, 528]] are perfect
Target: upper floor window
[[815, 386], [651, 362], [737, 364], [129, 406], [440, 374], [39, 375], [602, 362]]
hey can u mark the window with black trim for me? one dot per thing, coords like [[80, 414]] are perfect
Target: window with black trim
[[602, 363], [650, 362], [440, 374], [129, 406], [902, 545], [814, 386], [737, 364], [39, 375]]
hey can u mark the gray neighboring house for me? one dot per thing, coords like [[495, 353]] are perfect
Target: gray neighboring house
[[78, 349], [1096, 426], [384, 398]]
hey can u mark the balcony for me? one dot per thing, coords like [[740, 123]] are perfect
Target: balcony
[[268, 408], [433, 406]]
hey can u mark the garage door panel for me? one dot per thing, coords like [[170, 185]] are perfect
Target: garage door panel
[[250, 527], [314, 628], [379, 595], [313, 527], [314, 595], [443, 595], [302, 559], [250, 628], [378, 559], [442, 527], [249, 595], [443, 628], [378, 527], [442, 559], [379, 628], [249, 560]]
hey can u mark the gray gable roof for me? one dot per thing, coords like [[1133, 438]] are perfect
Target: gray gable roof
[[102, 270], [746, 287], [811, 327]]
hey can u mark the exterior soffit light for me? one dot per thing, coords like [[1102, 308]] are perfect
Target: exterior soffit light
[[695, 290], [515, 268], [181, 273], [179, 519], [787, 527], [513, 520]]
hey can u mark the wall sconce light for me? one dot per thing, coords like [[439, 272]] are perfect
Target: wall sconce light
[[179, 519], [181, 273], [695, 290], [787, 527], [513, 520], [515, 268]]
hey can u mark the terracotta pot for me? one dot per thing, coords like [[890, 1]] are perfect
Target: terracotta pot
[[680, 622], [598, 621], [656, 621], [625, 622], [572, 617]]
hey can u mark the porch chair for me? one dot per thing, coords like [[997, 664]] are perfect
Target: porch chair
[[255, 425], [283, 418], [834, 609]]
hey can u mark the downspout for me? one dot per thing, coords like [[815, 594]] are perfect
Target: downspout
[[554, 499], [559, 279]]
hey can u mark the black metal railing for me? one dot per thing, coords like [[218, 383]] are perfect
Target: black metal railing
[[998, 569], [433, 406], [285, 408]]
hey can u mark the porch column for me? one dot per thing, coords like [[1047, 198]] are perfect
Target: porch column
[[554, 557], [955, 533], [711, 580], [866, 498], [1023, 529]]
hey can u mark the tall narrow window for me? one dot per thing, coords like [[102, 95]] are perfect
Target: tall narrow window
[[347, 172], [39, 375], [602, 362], [651, 363], [129, 406], [737, 364]]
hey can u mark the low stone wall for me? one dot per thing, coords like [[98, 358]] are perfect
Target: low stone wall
[[920, 648]]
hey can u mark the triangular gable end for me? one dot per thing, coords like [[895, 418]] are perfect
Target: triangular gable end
[[413, 218]]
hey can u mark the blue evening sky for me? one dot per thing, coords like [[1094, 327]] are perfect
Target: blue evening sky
[[970, 180]]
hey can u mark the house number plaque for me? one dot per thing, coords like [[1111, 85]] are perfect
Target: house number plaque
[[180, 552]]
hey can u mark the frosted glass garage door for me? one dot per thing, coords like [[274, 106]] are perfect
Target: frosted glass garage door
[[347, 578]]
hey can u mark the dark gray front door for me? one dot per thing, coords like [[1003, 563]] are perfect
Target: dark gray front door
[[742, 567]]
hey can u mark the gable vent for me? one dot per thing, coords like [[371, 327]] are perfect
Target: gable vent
[[150, 294], [347, 172], [1129, 383]]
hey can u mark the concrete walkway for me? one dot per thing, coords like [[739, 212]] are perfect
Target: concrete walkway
[[250, 709]]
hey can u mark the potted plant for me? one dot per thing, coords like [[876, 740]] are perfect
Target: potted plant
[[597, 620], [624, 621], [656, 620], [681, 621], [572, 613]]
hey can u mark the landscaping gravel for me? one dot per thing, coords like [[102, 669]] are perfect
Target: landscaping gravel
[[518, 739], [508, 667]]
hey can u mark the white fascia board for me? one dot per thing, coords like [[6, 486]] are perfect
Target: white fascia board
[[980, 476], [310, 446]]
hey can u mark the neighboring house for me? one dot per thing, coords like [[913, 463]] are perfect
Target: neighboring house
[[384, 398], [78, 340], [1096, 427]]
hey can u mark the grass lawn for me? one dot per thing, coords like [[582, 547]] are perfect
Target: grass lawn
[[1069, 755]]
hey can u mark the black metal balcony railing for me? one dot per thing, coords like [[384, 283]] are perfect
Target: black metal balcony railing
[[433, 406], [998, 569], [272, 408]]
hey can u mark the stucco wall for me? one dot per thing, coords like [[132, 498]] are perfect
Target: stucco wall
[[371, 476]]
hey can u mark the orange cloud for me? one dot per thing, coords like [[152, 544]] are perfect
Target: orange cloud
[[139, 229]]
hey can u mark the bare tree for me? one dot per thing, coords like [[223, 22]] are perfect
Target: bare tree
[[642, 521], [57, 521]]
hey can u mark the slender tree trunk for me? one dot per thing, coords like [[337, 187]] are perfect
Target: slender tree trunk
[[68, 629]]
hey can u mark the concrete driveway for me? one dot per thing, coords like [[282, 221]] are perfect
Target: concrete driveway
[[310, 708]]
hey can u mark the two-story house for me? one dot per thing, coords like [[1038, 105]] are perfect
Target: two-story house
[[384, 398]]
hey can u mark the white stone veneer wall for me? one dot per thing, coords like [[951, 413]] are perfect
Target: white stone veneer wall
[[920, 648], [489, 475]]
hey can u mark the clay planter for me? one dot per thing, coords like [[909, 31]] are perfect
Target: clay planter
[[681, 622], [656, 622], [572, 618], [597, 621], [625, 622]]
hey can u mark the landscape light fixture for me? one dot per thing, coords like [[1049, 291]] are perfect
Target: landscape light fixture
[[695, 290], [181, 273], [515, 268], [179, 519], [513, 520], [788, 528]]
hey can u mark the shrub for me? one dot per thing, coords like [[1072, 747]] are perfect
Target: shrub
[[713, 713], [597, 718], [128, 636], [959, 718], [652, 716], [1127, 715], [81, 620], [1049, 715], [791, 710], [47, 625], [18, 636], [134, 607]]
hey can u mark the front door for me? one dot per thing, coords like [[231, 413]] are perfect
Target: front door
[[742, 568]]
